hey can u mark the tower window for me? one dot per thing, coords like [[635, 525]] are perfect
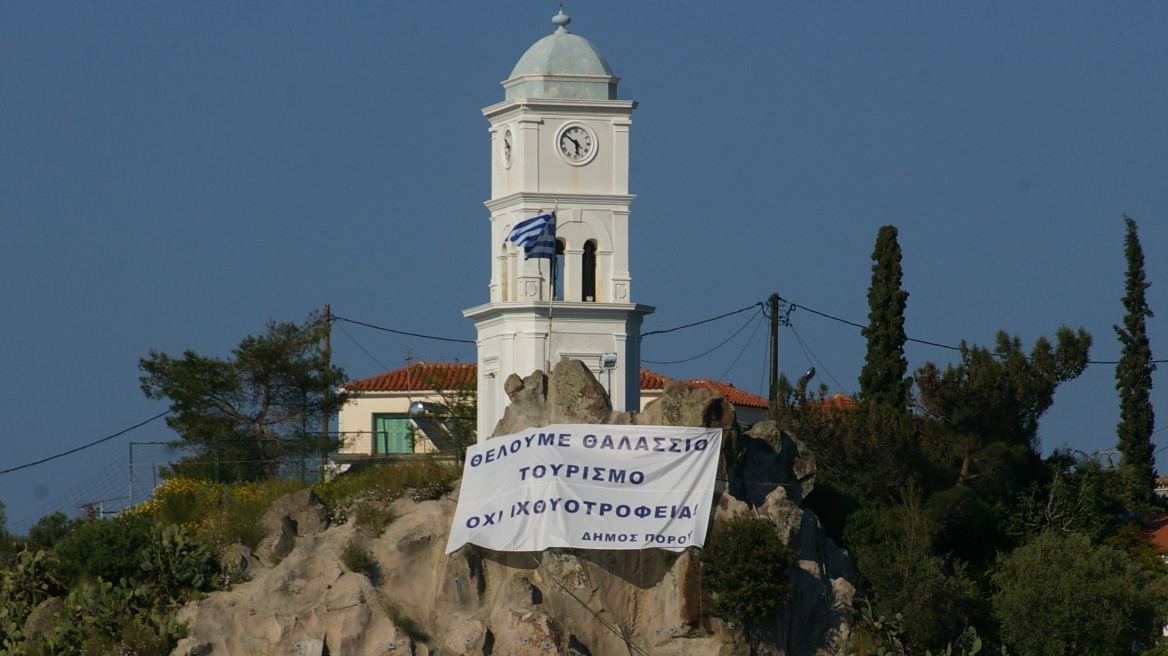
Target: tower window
[[559, 293], [504, 274], [588, 277]]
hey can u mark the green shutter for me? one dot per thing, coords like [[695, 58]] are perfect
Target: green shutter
[[391, 433]]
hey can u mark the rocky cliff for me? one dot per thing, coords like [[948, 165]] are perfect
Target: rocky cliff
[[302, 600]]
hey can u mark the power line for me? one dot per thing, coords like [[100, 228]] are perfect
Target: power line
[[856, 325], [807, 349], [82, 448], [921, 341], [744, 347], [402, 332], [1117, 361], [362, 348], [698, 323], [748, 322]]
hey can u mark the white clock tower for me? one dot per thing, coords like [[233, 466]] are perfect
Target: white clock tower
[[560, 141]]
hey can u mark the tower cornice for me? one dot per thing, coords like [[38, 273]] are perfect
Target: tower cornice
[[560, 105], [548, 200]]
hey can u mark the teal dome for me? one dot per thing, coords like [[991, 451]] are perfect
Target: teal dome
[[561, 54]]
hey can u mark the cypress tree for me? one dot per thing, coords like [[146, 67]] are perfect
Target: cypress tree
[[1133, 378], [882, 380]]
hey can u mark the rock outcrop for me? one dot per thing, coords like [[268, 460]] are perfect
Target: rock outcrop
[[556, 602]]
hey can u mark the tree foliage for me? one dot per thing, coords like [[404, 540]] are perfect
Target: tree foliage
[[7, 541], [893, 548], [1133, 378], [882, 380], [745, 565], [158, 568], [47, 531], [1062, 595], [108, 548], [253, 409], [999, 395]]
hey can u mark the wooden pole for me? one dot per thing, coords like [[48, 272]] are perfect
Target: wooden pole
[[326, 348], [774, 309]]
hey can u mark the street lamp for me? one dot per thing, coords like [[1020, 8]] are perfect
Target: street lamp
[[608, 363]]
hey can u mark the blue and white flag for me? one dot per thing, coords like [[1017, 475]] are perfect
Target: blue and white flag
[[537, 236]]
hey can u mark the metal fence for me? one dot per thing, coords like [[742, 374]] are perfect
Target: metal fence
[[122, 484]]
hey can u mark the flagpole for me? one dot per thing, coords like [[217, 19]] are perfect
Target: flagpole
[[552, 295]]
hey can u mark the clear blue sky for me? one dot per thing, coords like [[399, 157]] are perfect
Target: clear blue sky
[[172, 175]]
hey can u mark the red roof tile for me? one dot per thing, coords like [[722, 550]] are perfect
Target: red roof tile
[[1156, 529], [651, 380], [730, 393], [423, 376], [419, 377], [837, 400]]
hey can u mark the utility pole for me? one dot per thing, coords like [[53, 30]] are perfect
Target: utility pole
[[773, 303], [324, 397]]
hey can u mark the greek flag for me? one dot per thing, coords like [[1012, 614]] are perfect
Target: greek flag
[[537, 236]]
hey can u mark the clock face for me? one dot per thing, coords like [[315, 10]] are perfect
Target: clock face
[[576, 144], [507, 145]]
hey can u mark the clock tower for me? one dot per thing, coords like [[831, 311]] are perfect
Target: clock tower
[[560, 141]]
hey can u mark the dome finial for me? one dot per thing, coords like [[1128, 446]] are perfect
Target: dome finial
[[561, 20]]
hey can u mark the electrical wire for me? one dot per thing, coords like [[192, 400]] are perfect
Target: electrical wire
[[724, 342], [402, 332], [744, 347], [1153, 433], [921, 341], [363, 350], [1117, 361], [807, 349], [698, 323], [762, 374], [856, 325], [82, 448]]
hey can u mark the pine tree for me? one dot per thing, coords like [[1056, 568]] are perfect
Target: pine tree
[[1133, 378], [882, 380]]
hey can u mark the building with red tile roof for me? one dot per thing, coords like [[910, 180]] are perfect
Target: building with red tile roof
[[376, 421]]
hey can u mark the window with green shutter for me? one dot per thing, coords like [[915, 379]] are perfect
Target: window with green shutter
[[391, 433]]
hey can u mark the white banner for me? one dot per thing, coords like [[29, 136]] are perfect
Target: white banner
[[589, 486]]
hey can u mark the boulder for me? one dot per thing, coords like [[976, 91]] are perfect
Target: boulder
[[307, 602], [299, 514], [43, 619], [239, 562]]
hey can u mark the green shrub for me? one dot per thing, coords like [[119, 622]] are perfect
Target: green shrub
[[237, 515], [965, 526], [1061, 595], [184, 501], [892, 546], [745, 566], [219, 514], [174, 561], [358, 559], [371, 517], [400, 619], [24, 584], [106, 548], [385, 483], [7, 541], [48, 529]]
